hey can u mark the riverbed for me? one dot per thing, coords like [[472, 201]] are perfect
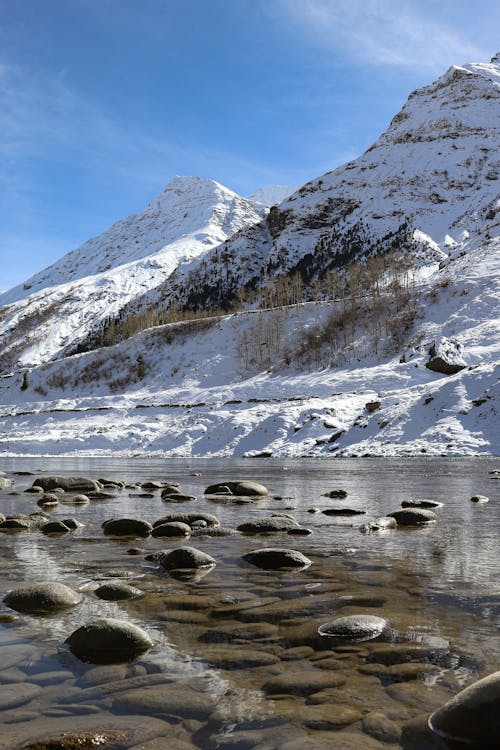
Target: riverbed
[[236, 661]]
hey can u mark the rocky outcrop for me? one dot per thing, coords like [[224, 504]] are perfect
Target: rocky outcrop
[[446, 357]]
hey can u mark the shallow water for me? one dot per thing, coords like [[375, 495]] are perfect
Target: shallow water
[[234, 650]]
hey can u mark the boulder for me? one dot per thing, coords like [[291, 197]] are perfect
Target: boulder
[[182, 557], [42, 598], [343, 512], [15, 524], [412, 516], [117, 592], [127, 527], [55, 527], [173, 528], [189, 517], [108, 641], [48, 499], [77, 500], [268, 524], [421, 503], [446, 357], [4, 483], [176, 497], [277, 558], [353, 628], [382, 523], [241, 487], [339, 494], [479, 499], [473, 715], [68, 484]]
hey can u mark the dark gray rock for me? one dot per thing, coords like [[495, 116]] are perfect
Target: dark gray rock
[[117, 592], [189, 518], [479, 499], [353, 628], [127, 527], [15, 524], [421, 503], [173, 528], [108, 641], [176, 497], [268, 524], [335, 494], [42, 598], [473, 715], [446, 357], [241, 487], [343, 512], [182, 557], [277, 558], [68, 484], [413, 516], [55, 527]]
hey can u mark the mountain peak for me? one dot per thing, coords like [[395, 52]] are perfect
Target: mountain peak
[[271, 195]]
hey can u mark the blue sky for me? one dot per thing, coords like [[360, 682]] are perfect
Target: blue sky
[[103, 101]]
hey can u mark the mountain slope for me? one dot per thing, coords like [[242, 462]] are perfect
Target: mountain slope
[[428, 184], [59, 305]]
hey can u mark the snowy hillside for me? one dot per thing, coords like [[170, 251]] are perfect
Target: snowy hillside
[[428, 184], [58, 306], [385, 369]]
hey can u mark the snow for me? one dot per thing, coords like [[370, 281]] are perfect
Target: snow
[[436, 169]]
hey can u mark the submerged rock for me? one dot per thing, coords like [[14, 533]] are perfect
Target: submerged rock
[[354, 628], [172, 528], [117, 592], [42, 598], [473, 715], [423, 503], [108, 641], [479, 499], [242, 487], [343, 512], [340, 494], [276, 558]]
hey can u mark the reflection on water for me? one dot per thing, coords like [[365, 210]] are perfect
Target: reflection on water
[[237, 652]]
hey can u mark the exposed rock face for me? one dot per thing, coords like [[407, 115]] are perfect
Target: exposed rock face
[[473, 715], [446, 357], [108, 641], [42, 598]]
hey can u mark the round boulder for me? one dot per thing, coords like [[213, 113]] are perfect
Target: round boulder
[[55, 527], [354, 628], [173, 528], [108, 641], [241, 487], [42, 598], [127, 527], [48, 500], [412, 516], [473, 715], [182, 557], [68, 484], [423, 503], [277, 558], [189, 518], [114, 592], [268, 524]]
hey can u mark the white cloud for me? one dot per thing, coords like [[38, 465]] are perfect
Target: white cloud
[[380, 32]]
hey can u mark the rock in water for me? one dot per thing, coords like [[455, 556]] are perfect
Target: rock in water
[[276, 558], [42, 598], [473, 715], [242, 487], [108, 641], [182, 557], [354, 628], [127, 527], [479, 499], [68, 484], [412, 516]]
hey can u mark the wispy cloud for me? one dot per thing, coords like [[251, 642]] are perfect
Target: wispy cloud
[[380, 32]]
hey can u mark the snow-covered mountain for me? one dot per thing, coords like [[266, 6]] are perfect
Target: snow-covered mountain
[[59, 305], [271, 195], [234, 385], [429, 183]]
